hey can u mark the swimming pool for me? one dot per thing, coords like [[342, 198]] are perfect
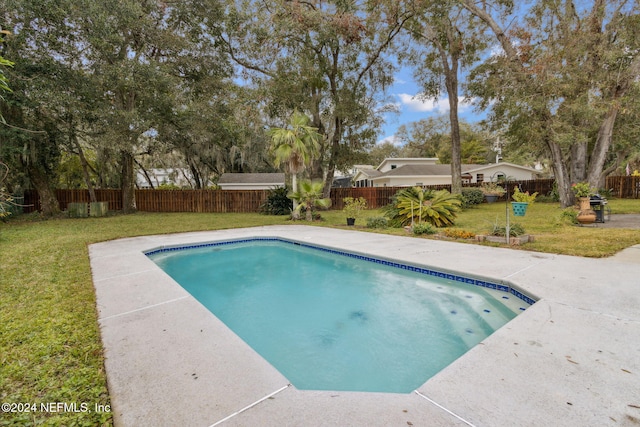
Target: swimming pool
[[333, 320]]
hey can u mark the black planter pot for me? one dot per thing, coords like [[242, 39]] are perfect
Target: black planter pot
[[351, 221]]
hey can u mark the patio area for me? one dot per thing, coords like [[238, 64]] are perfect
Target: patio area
[[572, 359]]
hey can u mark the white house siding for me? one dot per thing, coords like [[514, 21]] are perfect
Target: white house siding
[[416, 171], [515, 173], [410, 181]]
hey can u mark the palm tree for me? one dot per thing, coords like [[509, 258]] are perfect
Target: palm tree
[[295, 145], [309, 195]]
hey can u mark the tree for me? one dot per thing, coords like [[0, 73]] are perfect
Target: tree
[[4, 86], [32, 135], [382, 151], [151, 61], [561, 81], [295, 146], [448, 40], [323, 58], [309, 195], [432, 138]]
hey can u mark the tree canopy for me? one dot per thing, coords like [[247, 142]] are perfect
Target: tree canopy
[[564, 74], [102, 91]]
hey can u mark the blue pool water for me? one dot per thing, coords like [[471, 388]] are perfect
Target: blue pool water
[[330, 322]]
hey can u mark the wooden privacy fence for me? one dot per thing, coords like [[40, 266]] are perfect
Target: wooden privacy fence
[[626, 187], [162, 200], [250, 200], [200, 200]]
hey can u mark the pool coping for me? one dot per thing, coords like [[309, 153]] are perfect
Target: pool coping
[[571, 359]]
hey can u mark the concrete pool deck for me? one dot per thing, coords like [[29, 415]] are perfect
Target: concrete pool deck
[[572, 359]]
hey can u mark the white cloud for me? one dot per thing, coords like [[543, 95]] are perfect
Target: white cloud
[[392, 139], [441, 106]]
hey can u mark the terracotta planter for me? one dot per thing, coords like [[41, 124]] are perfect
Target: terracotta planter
[[586, 214]]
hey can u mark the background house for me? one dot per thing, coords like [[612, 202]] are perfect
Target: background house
[[405, 172], [250, 181], [175, 176]]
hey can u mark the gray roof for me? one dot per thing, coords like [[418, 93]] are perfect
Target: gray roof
[[371, 173], [251, 178], [426, 170]]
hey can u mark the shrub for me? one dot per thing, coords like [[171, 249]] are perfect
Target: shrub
[[353, 207], [607, 193], [377, 222], [546, 199], [456, 233], [423, 228], [471, 196], [569, 215], [277, 202], [554, 195]]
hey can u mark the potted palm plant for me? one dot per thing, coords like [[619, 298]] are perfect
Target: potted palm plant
[[353, 208]]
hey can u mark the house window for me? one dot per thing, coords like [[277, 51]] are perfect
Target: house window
[[480, 177]]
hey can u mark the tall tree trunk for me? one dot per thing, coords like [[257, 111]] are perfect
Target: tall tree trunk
[[596, 174], [195, 174], [48, 200], [579, 160], [331, 168], [85, 170], [315, 170], [127, 183], [456, 168], [560, 172], [294, 188]]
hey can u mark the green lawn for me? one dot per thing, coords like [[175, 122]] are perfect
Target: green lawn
[[50, 349]]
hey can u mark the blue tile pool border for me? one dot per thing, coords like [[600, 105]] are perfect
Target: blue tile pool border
[[499, 286]]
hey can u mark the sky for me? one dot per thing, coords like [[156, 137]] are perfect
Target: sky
[[403, 93]]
